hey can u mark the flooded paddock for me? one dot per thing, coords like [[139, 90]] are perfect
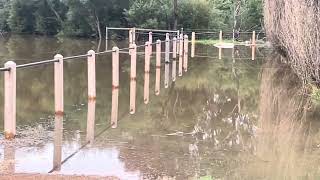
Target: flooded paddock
[[228, 118]]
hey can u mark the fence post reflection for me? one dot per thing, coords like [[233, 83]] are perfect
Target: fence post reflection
[[166, 75], [9, 155], [58, 135], [253, 53], [91, 116], [220, 53]]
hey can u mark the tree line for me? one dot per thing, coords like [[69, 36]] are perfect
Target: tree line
[[87, 18]]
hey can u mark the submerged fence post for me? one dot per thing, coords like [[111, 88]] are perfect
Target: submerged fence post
[[147, 73], [193, 44], [10, 79], [158, 67], [186, 51], [91, 75], [150, 41], [115, 87], [58, 85], [180, 54], [167, 49], [133, 78]]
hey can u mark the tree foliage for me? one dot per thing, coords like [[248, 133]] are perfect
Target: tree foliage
[[89, 17]]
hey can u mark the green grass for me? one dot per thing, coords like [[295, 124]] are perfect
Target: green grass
[[215, 41]]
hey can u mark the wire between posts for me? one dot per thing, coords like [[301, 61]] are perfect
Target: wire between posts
[[33, 64]]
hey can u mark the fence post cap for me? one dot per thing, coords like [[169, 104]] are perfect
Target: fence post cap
[[91, 52], [115, 49], [9, 64], [58, 56], [158, 41], [133, 45], [185, 36]]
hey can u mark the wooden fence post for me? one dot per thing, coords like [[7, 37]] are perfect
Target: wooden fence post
[[193, 45], [178, 44], [174, 48], [107, 38], [158, 67], [10, 79], [174, 62], [254, 38], [147, 73], [167, 48], [58, 85], [115, 87], [134, 35], [91, 75], [186, 53], [180, 55], [130, 36], [150, 41], [133, 78]]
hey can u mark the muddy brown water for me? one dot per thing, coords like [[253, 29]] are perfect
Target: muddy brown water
[[232, 118]]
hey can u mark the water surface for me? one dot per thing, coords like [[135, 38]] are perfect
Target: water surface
[[233, 118]]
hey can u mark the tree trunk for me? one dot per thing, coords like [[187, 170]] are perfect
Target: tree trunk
[[175, 14], [237, 15], [98, 26]]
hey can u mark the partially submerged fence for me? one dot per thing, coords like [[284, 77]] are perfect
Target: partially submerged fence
[[179, 46]]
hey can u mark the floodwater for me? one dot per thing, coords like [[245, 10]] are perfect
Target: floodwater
[[234, 118]]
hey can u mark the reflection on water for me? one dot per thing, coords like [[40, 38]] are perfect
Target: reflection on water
[[232, 118]]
